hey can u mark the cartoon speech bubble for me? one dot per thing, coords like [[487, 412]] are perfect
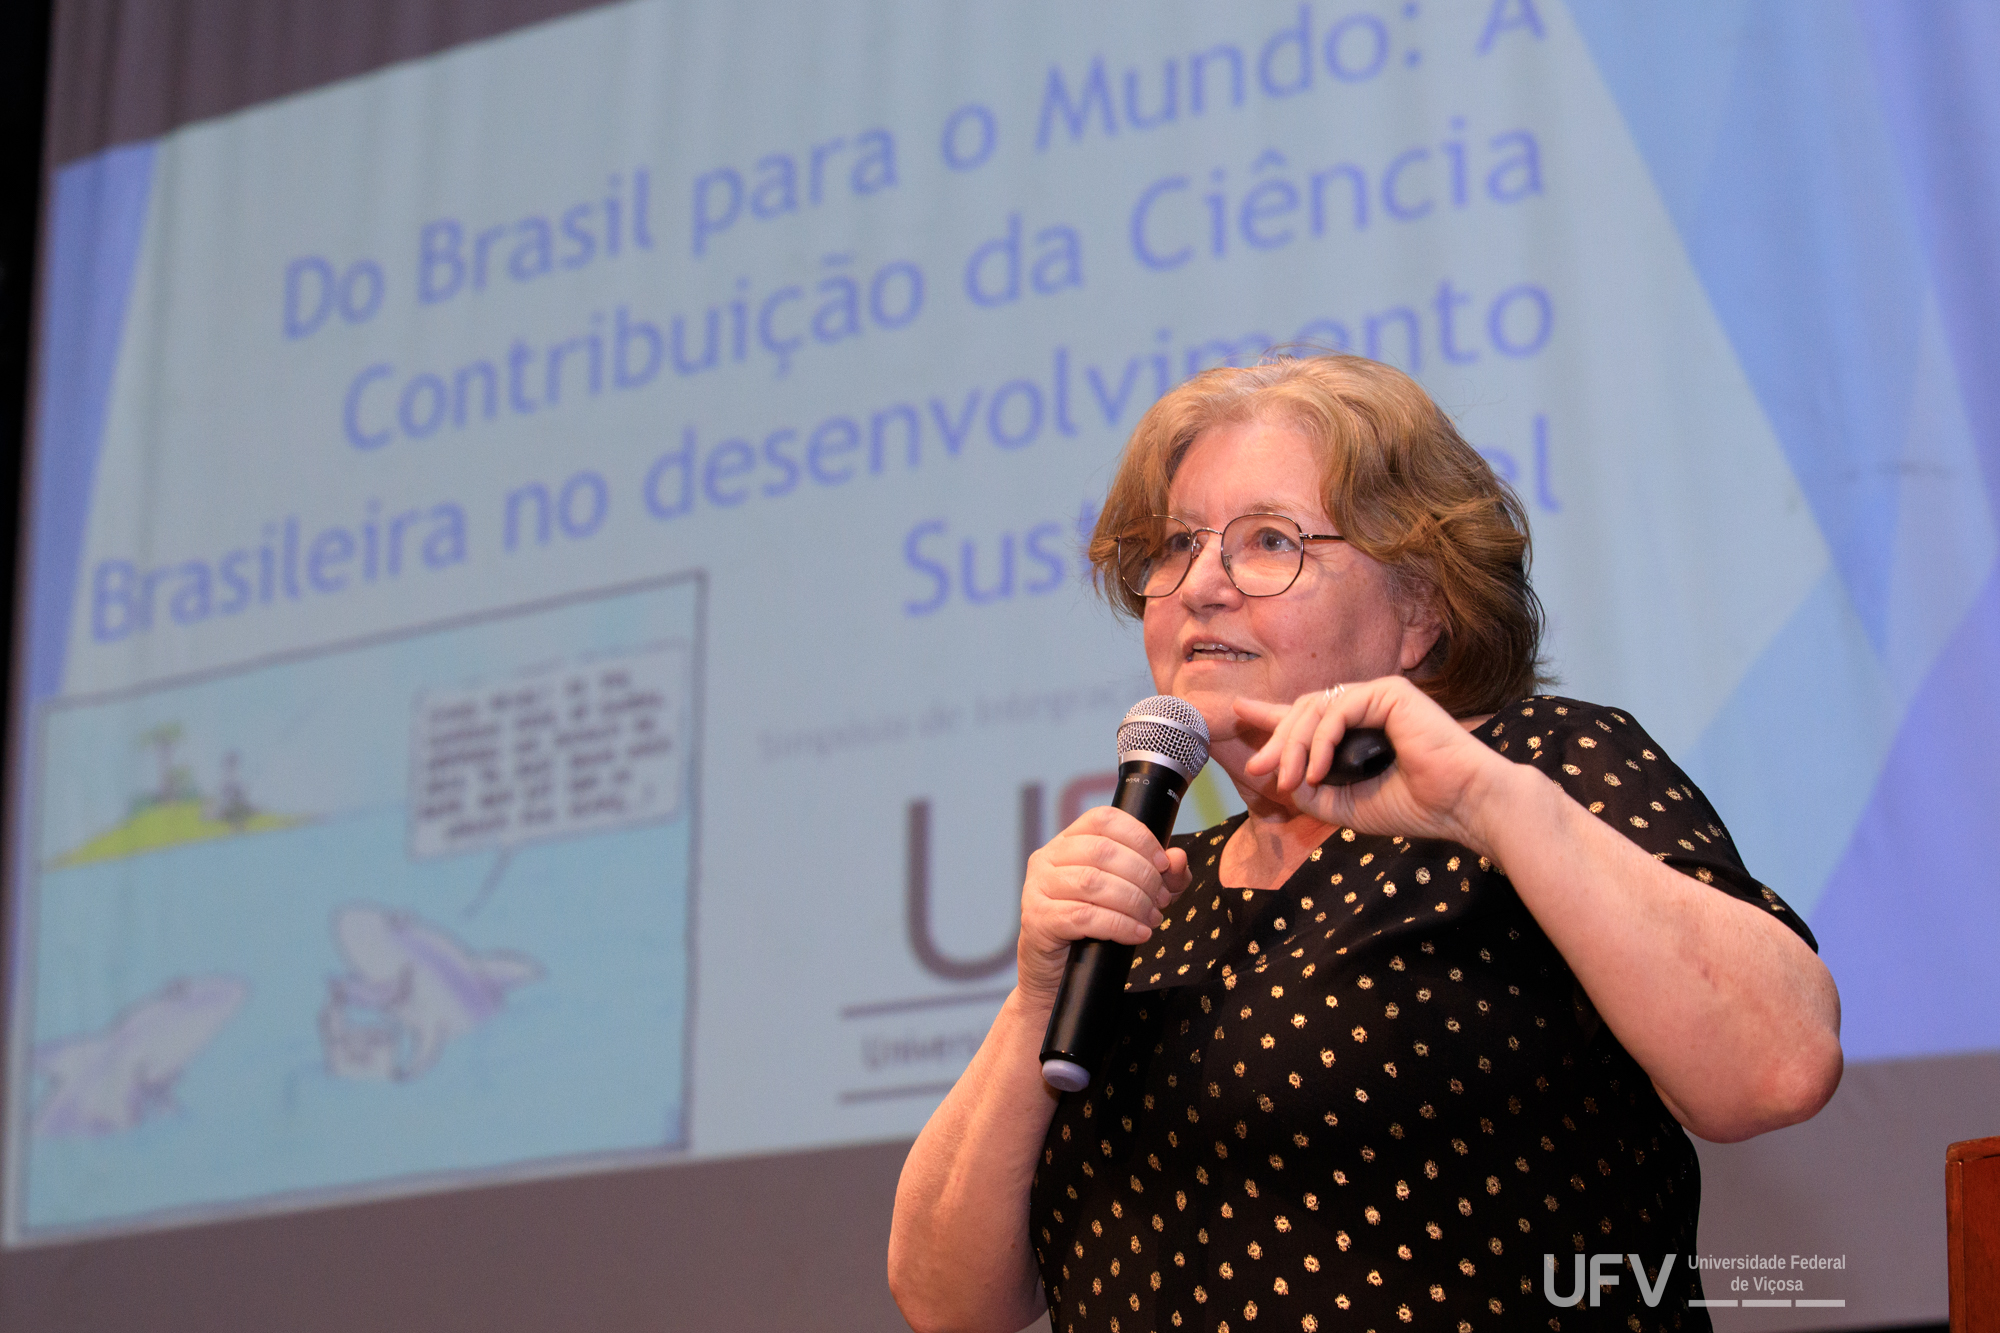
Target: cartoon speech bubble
[[574, 749]]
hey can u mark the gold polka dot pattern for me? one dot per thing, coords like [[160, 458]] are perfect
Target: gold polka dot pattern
[[1375, 1097]]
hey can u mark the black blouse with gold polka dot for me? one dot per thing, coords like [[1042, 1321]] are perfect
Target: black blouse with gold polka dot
[[1375, 1098]]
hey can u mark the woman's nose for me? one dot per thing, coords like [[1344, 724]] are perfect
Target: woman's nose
[[1207, 579]]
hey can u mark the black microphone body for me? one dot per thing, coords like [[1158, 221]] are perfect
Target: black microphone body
[[1093, 979], [1162, 744]]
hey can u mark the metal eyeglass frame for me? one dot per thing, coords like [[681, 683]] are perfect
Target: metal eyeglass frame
[[1194, 554]]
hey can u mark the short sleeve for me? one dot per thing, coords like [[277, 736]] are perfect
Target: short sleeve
[[1608, 763]]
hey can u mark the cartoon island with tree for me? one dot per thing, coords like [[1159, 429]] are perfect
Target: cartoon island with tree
[[176, 810]]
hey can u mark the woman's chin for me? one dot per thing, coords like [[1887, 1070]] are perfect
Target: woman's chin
[[1216, 702]]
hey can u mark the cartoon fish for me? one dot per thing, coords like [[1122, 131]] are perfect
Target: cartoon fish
[[106, 1082], [410, 988]]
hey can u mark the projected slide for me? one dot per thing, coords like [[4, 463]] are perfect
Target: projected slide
[[410, 908], [851, 307]]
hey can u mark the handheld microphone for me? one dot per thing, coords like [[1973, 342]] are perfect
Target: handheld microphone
[[1162, 744]]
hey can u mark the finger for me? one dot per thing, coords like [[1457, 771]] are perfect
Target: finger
[[1329, 805], [1332, 726], [1099, 888], [1292, 755], [1086, 921], [1265, 717], [1060, 923], [1271, 752], [1260, 713], [1112, 858], [1298, 730], [1108, 821]]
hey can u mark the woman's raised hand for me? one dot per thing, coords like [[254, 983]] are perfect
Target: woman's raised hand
[[1105, 877], [1434, 789]]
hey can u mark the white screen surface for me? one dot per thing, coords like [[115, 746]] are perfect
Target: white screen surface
[[790, 360]]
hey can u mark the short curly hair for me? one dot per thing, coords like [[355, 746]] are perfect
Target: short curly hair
[[1401, 484]]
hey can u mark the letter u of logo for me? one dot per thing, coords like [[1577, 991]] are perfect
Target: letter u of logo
[[917, 891], [1549, 1282]]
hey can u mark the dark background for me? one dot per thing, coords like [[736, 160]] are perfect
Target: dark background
[[24, 67]]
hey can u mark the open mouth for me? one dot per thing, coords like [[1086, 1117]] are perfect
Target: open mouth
[[1218, 652]]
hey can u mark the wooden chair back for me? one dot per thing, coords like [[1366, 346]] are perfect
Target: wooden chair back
[[1972, 1233]]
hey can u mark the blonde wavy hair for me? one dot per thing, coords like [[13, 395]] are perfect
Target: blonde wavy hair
[[1399, 482]]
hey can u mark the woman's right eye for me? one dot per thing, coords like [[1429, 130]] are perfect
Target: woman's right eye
[[1180, 543]]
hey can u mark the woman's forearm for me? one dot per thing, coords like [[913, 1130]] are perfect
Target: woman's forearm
[[960, 1258], [1730, 1013]]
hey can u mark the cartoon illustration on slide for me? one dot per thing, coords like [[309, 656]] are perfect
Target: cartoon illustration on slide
[[107, 1082], [410, 988], [429, 895], [175, 811]]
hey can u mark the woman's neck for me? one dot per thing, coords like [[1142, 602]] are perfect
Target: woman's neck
[[1270, 844]]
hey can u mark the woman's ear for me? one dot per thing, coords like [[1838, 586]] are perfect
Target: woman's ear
[[1424, 644]]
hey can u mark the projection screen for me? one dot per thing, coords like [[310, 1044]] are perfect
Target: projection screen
[[554, 605]]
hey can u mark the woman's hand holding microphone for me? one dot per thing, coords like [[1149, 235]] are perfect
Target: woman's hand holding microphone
[[1104, 877]]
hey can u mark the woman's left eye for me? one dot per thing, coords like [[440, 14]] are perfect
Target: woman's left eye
[[1274, 540]]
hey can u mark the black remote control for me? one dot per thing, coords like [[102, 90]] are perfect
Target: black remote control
[[1362, 753]]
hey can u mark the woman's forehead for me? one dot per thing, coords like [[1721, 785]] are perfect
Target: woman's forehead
[[1247, 467]]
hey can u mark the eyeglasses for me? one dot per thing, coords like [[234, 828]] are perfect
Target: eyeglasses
[[1262, 554]]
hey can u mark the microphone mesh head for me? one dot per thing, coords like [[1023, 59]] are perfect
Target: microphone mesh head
[[1167, 730]]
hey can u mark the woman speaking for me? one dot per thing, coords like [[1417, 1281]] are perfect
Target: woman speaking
[[1395, 1054]]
